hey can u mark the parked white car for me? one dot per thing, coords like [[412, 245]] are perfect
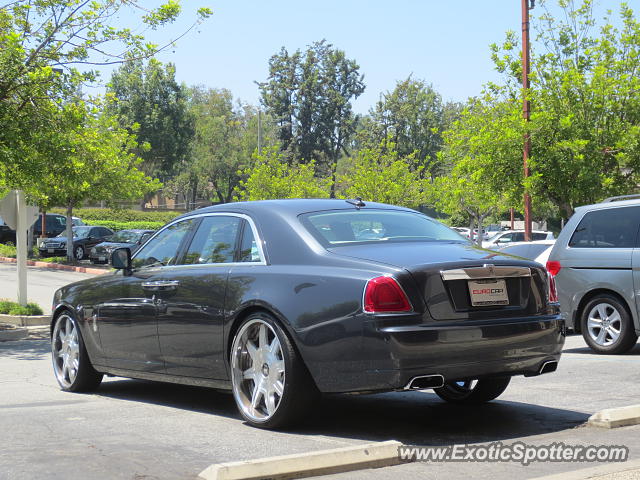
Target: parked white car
[[462, 231], [537, 250], [511, 236]]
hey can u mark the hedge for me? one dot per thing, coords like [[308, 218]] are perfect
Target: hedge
[[116, 226], [90, 215], [7, 251], [13, 308]]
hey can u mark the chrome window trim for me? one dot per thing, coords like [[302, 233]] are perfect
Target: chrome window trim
[[486, 271], [249, 220]]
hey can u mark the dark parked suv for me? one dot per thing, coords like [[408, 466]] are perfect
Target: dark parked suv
[[54, 225]]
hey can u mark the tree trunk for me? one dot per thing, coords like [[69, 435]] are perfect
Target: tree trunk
[[479, 238], [69, 233]]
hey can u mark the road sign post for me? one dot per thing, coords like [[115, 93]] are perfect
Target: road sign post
[[19, 216]]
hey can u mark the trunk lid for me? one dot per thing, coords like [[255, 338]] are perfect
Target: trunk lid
[[446, 274]]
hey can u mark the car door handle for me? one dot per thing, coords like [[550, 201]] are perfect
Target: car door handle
[[160, 285]]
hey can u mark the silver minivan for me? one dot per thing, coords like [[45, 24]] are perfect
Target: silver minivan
[[596, 266]]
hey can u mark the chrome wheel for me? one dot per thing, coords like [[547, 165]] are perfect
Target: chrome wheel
[[65, 350], [79, 253], [257, 370], [604, 324]]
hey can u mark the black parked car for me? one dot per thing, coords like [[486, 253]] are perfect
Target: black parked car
[[55, 224], [131, 239], [84, 238], [279, 300]]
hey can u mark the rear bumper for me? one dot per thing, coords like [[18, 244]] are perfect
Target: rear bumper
[[57, 252], [392, 355]]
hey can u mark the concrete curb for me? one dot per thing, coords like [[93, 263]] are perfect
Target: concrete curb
[[592, 472], [58, 266], [26, 320], [324, 462], [16, 333], [616, 417]]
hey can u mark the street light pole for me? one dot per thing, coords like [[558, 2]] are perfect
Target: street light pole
[[526, 111]]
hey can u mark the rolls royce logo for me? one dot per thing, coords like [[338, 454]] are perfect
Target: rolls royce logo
[[491, 269]]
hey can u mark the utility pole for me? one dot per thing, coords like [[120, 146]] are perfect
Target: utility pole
[[526, 111]]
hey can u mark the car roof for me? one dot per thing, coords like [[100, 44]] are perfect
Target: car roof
[[603, 205], [292, 207], [533, 242]]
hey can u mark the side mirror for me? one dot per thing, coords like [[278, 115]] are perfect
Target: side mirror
[[121, 258]]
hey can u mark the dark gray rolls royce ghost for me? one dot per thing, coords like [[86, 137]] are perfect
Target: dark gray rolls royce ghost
[[281, 300]]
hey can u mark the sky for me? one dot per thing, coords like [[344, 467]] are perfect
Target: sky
[[444, 42]]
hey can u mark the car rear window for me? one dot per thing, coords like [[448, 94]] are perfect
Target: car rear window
[[339, 227], [607, 228]]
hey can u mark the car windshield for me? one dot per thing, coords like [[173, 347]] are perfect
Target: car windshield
[[78, 232], [126, 236], [333, 228]]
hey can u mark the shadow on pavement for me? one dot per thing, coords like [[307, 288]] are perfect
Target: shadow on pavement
[[417, 418], [586, 350], [195, 399]]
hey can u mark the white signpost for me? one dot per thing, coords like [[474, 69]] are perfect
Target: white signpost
[[19, 216]]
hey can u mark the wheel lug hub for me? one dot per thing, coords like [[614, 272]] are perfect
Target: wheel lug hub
[[265, 370]]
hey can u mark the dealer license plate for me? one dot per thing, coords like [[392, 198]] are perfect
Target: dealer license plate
[[50, 250], [102, 259], [488, 292]]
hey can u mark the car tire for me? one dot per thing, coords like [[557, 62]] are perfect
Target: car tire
[[78, 253], [607, 326], [71, 364], [473, 391], [271, 385]]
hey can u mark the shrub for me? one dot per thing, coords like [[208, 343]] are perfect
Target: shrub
[[7, 251], [13, 308], [115, 226], [90, 215]]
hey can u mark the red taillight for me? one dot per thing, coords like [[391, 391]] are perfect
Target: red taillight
[[383, 295], [553, 267]]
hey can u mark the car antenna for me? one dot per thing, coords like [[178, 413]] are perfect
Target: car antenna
[[358, 203]]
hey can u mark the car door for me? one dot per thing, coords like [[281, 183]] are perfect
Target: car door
[[191, 310], [127, 318]]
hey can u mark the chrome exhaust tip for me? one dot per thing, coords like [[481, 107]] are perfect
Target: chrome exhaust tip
[[423, 382], [548, 367]]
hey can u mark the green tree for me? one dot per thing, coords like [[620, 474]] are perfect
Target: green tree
[[151, 101], [226, 136], [413, 116], [272, 177], [464, 192], [90, 159], [48, 48], [585, 107], [381, 174], [309, 97]]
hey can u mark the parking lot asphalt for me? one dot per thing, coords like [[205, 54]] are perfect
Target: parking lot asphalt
[[132, 429], [42, 283]]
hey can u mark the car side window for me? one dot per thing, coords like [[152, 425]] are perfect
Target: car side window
[[165, 247], [607, 228], [215, 241], [248, 246]]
